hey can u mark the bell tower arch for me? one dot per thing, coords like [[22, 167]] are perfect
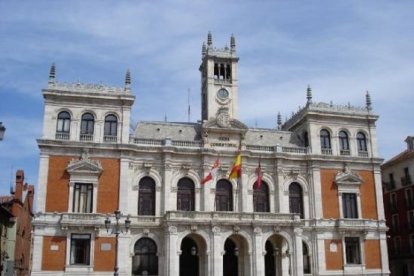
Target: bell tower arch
[[219, 84]]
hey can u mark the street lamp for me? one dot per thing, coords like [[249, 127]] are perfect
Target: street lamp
[[116, 229], [2, 131]]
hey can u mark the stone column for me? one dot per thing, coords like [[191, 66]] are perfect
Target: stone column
[[172, 255], [42, 182], [258, 253], [217, 256], [124, 192], [168, 196], [297, 255], [37, 252]]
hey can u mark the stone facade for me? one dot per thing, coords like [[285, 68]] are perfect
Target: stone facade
[[318, 210]]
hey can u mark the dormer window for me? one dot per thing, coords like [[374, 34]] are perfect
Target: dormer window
[[87, 127], [63, 126], [110, 128], [343, 143], [325, 142]]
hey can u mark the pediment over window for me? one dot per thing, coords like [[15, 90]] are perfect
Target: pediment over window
[[84, 166], [348, 177]]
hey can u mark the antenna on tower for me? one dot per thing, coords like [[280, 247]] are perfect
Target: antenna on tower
[[189, 106]]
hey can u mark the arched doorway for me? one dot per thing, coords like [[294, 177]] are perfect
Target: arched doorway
[[189, 260], [145, 260], [230, 258], [236, 258], [277, 258]]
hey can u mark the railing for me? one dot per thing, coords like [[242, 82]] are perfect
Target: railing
[[389, 185], [357, 223], [110, 138], [261, 148], [190, 144], [86, 219], [86, 137], [326, 151], [406, 180], [362, 153], [295, 150], [345, 152], [152, 142], [62, 136]]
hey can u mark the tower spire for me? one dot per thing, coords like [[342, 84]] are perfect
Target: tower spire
[[309, 95], [203, 49], [279, 121], [209, 39], [368, 101], [232, 43], [52, 74], [128, 80]]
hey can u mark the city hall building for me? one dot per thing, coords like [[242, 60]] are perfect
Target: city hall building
[[307, 199]]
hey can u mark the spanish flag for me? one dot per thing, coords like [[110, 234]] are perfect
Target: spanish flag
[[236, 170]]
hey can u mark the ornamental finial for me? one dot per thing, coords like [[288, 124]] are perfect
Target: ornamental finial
[[232, 43], [279, 121], [209, 39], [309, 94], [128, 80], [368, 101], [52, 74], [203, 49]]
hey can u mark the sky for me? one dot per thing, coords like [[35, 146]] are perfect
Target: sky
[[340, 48]]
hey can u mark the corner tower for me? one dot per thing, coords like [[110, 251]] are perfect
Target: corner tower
[[219, 88]]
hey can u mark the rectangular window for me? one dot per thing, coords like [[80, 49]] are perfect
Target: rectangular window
[[410, 219], [82, 198], [352, 250], [393, 202], [80, 247], [349, 205], [397, 246], [395, 220], [406, 179], [409, 199]]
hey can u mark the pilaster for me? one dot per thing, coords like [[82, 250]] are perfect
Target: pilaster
[[218, 251]]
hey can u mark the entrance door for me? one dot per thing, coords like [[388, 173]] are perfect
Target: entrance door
[[230, 259], [270, 266], [189, 258]]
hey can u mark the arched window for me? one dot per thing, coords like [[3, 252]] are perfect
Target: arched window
[[63, 126], [362, 144], [261, 198], [343, 143], [306, 259], [146, 197], [325, 142], [87, 126], [145, 260], [224, 196], [110, 128], [185, 195], [296, 199], [305, 139]]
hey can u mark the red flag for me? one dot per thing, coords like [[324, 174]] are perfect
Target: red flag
[[213, 173], [259, 175]]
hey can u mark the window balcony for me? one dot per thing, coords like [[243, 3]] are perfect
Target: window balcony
[[389, 185], [326, 151], [110, 139], [86, 137], [62, 136], [345, 152], [405, 181], [363, 153]]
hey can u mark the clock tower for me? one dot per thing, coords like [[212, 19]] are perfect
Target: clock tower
[[219, 88]]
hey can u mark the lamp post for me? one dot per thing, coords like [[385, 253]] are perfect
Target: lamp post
[[116, 229], [2, 131]]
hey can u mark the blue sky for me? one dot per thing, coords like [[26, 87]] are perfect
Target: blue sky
[[340, 48]]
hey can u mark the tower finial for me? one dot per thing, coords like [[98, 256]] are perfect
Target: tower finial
[[368, 101], [232, 43], [203, 49], [209, 39], [52, 74], [279, 121], [128, 80], [309, 94]]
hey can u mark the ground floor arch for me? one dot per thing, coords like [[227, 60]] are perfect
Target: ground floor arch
[[193, 257], [236, 257], [277, 256]]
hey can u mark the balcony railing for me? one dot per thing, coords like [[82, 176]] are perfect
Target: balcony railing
[[406, 180], [62, 136], [110, 139], [362, 153], [345, 152], [326, 151], [389, 185], [86, 137]]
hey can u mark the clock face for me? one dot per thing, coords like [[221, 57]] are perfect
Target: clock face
[[223, 94]]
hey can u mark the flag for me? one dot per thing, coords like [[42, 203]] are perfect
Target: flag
[[259, 175], [236, 170], [213, 173]]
